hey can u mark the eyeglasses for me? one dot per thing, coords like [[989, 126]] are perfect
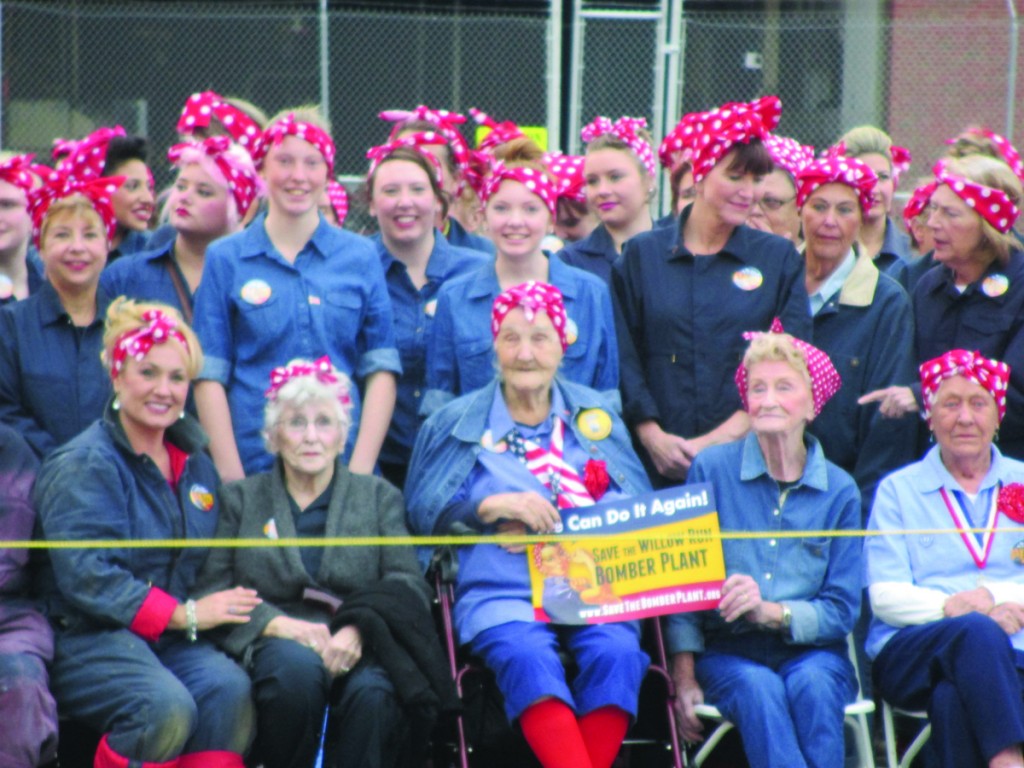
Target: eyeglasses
[[298, 425], [773, 203]]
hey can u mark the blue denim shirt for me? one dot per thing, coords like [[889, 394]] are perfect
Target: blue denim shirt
[[895, 247], [443, 490], [867, 330], [132, 242], [144, 276], [460, 238], [414, 315], [52, 382], [98, 487], [255, 311], [460, 346], [682, 317], [818, 577], [946, 318], [34, 268]]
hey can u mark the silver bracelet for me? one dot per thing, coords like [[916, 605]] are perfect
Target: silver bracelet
[[191, 622]]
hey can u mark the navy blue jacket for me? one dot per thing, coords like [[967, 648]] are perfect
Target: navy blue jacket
[[867, 330], [52, 382], [97, 488], [595, 253], [947, 319], [681, 318], [458, 236]]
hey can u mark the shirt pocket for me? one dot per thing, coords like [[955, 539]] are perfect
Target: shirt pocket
[[476, 363], [812, 563], [985, 331], [343, 312], [267, 320]]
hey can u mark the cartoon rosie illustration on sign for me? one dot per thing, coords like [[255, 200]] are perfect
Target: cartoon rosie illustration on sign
[[571, 582]]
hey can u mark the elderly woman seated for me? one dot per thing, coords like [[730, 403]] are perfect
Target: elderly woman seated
[[505, 459], [949, 609], [348, 626], [773, 657]]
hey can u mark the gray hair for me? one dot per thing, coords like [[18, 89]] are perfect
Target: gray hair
[[301, 390]]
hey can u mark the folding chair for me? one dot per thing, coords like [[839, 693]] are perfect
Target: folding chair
[[892, 757], [855, 715]]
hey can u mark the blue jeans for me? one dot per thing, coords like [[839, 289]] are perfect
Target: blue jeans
[[155, 701], [968, 676], [786, 700]]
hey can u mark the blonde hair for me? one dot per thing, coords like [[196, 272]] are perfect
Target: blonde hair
[[77, 205], [305, 113], [868, 140], [776, 348], [995, 174], [125, 315]]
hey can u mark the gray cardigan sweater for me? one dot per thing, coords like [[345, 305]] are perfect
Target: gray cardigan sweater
[[360, 505]]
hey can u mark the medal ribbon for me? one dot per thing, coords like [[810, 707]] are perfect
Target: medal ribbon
[[564, 482], [979, 550]]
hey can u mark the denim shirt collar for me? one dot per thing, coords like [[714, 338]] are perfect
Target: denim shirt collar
[[598, 243], [815, 473], [500, 421], [485, 280], [477, 411], [52, 311], [439, 263], [256, 242], [934, 474]]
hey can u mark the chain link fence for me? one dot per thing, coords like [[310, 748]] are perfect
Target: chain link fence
[[921, 70]]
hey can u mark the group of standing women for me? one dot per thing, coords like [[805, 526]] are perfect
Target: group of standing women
[[497, 383]]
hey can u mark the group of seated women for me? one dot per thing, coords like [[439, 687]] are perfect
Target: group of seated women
[[454, 358]]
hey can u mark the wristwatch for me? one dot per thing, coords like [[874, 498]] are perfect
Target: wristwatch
[[786, 625]]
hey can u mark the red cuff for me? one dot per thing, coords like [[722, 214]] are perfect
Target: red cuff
[[212, 759], [153, 615]]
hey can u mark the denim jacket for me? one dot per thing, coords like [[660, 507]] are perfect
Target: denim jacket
[[460, 347], [818, 577]]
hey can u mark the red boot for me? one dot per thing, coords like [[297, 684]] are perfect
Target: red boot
[[108, 758], [211, 759]]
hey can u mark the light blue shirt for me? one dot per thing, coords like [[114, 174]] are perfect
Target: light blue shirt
[[254, 311], [817, 576], [833, 284], [911, 499]]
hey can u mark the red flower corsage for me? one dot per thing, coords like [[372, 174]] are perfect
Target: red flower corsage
[[1011, 501], [595, 478]]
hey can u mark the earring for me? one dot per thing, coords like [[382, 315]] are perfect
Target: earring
[[116, 405], [181, 416]]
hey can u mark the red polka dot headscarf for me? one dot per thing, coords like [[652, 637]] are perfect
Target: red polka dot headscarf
[[568, 173], [136, 343], [532, 297], [1006, 150], [414, 141], [85, 159], [918, 202], [99, 191], [337, 196], [534, 179], [201, 107], [992, 375], [626, 130], [500, 133], [236, 167], [836, 169], [993, 205], [447, 125], [19, 171], [321, 369], [899, 158], [788, 154], [290, 126], [710, 135], [825, 379]]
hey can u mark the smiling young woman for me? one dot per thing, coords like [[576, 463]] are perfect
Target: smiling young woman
[[292, 285]]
